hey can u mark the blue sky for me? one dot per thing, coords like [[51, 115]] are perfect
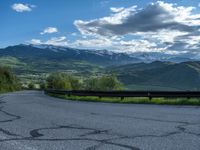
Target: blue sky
[[103, 24]]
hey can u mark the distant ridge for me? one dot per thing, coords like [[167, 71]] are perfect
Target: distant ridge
[[182, 76], [51, 53]]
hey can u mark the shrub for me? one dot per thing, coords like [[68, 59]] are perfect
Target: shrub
[[31, 85], [104, 83], [68, 82], [8, 81], [43, 85], [63, 81]]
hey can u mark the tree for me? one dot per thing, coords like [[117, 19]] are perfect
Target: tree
[[91, 84], [43, 85], [31, 85], [8, 81], [109, 83], [75, 83], [104, 83], [63, 81]]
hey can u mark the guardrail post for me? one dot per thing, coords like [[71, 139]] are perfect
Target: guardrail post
[[149, 95]]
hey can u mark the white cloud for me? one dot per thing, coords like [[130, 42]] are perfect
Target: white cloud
[[60, 41], [116, 10], [92, 43], [74, 34], [138, 46], [19, 7], [162, 36], [57, 41], [49, 30], [35, 42]]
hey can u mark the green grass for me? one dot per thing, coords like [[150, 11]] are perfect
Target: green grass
[[157, 101], [150, 87], [11, 62]]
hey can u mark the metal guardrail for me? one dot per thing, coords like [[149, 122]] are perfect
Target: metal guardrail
[[123, 94]]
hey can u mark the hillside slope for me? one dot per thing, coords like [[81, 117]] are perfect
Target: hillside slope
[[182, 76]]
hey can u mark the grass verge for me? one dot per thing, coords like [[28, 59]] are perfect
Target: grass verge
[[158, 101]]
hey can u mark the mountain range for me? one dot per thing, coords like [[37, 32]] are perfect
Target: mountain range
[[56, 53], [149, 71], [100, 57]]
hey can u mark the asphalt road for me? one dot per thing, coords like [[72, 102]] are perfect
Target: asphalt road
[[30, 120]]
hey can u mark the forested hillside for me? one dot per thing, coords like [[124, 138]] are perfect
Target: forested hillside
[[160, 75]]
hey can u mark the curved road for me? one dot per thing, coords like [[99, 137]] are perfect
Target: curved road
[[30, 120]]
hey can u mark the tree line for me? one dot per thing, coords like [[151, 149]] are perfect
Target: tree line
[[9, 82], [69, 82]]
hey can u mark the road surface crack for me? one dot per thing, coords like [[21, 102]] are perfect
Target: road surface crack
[[11, 119], [7, 132]]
